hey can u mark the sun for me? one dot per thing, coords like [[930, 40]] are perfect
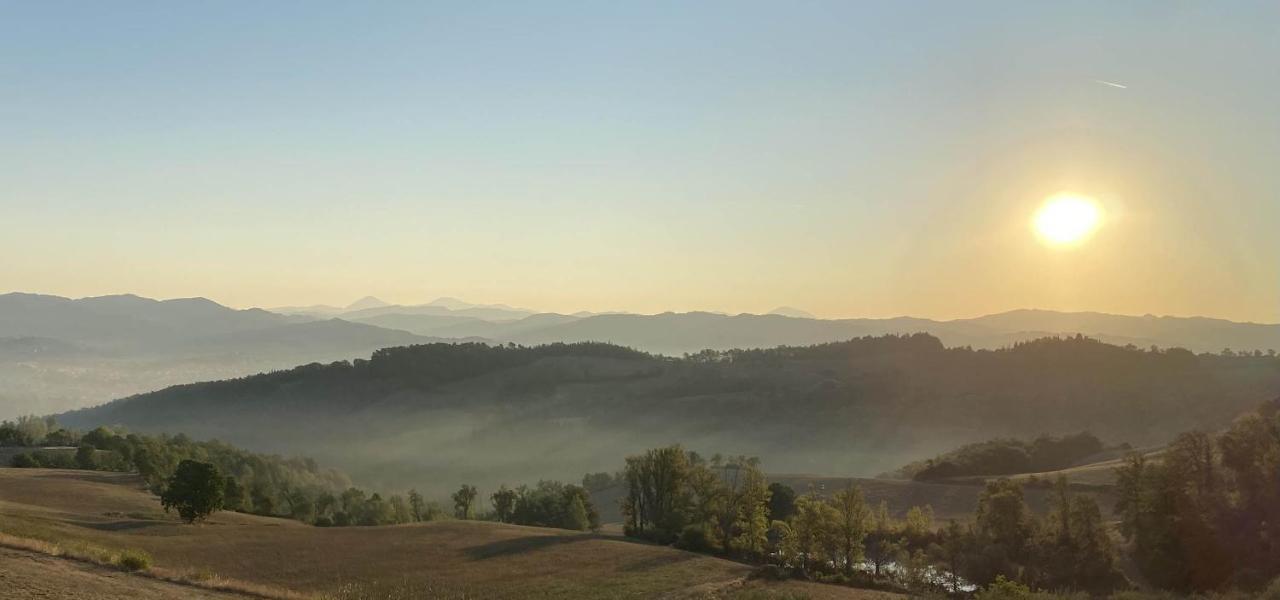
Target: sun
[[1067, 219]]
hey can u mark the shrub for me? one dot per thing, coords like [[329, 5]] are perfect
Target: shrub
[[23, 461], [133, 560], [696, 538]]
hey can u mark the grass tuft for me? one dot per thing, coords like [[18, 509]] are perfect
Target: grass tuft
[[133, 560]]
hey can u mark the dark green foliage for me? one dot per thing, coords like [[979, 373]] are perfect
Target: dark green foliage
[[673, 495], [85, 458], [233, 495], [60, 437], [194, 491], [1074, 550], [45, 459], [658, 498], [782, 502], [831, 400], [464, 502], [549, 504], [23, 461], [697, 538], [504, 503], [1206, 513], [1007, 457]]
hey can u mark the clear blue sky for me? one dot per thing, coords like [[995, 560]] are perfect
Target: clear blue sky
[[848, 158]]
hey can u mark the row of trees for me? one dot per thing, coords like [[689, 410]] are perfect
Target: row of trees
[[548, 504], [724, 506], [186, 474], [30, 430], [1205, 513], [708, 505]]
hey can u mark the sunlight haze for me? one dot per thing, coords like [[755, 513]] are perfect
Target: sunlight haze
[[844, 158]]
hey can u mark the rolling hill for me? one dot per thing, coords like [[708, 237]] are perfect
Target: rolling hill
[[444, 559], [438, 415]]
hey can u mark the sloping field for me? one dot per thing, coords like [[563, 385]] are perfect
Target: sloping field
[[30, 575], [1098, 474], [447, 559]]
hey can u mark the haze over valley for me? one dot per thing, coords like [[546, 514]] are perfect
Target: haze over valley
[[716, 300], [61, 354]]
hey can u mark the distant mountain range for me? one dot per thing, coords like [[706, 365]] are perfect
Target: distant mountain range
[[370, 306], [58, 353], [680, 333]]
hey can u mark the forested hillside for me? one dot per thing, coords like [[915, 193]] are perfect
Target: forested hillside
[[433, 415]]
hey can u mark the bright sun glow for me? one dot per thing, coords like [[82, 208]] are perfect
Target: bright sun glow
[[1066, 219]]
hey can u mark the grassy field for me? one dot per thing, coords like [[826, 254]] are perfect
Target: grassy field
[[26, 574], [447, 559]]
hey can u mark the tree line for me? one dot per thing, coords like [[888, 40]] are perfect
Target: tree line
[[1205, 513], [724, 506], [199, 478]]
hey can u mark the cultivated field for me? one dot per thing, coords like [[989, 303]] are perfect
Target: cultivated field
[[447, 559]]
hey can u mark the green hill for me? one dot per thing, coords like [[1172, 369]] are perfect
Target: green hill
[[438, 415]]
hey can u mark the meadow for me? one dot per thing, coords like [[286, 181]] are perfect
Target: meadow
[[284, 558]]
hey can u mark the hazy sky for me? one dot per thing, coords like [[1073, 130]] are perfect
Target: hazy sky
[[847, 158]]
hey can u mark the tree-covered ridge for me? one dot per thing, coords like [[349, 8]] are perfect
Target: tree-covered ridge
[[418, 367], [861, 406], [1006, 456]]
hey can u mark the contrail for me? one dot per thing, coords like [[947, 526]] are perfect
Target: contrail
[[1111, 83]]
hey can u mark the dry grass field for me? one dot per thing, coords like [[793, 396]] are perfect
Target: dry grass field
[[447, 559], [31, 575]]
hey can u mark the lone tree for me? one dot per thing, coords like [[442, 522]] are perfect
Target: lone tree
[[195, 490], [464, 502]]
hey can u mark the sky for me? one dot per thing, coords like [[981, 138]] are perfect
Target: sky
[[846, 158]]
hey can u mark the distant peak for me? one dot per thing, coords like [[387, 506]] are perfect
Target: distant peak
[[795, 313], [452, 303], [367, 302]]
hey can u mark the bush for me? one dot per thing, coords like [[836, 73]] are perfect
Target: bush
[[133, 560], [696, 538], [23, 461], [1003, 589]]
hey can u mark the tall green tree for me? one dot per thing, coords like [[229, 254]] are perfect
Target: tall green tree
[[852, 518], [194, 491]]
